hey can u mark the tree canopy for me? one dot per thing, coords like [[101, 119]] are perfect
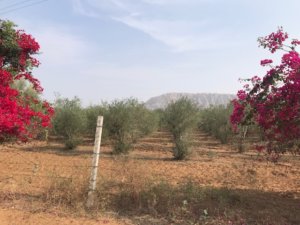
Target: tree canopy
[[21, 113]]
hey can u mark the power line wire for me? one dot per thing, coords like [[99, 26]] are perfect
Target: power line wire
[[22, 7], [2, 0], [15, 4]]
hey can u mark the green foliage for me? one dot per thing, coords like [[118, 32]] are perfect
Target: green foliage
[[120, 124], [180, 118], [146, 121], [160, 114], [215, 121], [126, 121], [25, 88], [181, 150], [9, 46], [122, 146], [72, 143], [91, 114], [69, 120]]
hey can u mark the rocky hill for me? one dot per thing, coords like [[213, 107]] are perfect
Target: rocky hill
[[202, 99]]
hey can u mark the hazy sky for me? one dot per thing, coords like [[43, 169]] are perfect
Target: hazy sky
[[107, 49]]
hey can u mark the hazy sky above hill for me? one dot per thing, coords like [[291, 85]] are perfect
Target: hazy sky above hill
[[108, 49]]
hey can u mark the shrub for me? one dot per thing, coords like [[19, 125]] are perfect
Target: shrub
[[69, 121], [146, 121], [215, 121], [91, 114], [72, 143], [180, 118], [119, 124], [126, 121], [181, 150]]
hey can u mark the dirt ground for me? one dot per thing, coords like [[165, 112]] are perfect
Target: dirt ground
[[29, 169], [19, 217]]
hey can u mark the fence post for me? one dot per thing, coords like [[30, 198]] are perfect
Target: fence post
[[95, 162]]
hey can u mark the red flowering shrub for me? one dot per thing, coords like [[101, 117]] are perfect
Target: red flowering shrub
[[20, 115], [273, 102]]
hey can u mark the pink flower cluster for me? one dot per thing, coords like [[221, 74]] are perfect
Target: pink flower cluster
[[266, 62], [273, 102], [295, 42], [274, 41]]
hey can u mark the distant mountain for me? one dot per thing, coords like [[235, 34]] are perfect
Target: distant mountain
[[202, 99]]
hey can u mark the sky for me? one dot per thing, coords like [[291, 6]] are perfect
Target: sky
[[101, 50]]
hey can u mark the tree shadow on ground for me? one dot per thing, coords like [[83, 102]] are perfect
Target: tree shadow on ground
[[58, 150], [208, 205]]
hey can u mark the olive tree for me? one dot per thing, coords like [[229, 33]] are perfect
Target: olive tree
[[69, 120], [181, 117]]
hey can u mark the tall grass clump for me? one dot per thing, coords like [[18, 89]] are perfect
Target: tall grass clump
[[180, 118], [69, 121], [184, 202], [66, 193]]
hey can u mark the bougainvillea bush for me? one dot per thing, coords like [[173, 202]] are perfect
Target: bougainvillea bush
[[273, 101], [21, 115]]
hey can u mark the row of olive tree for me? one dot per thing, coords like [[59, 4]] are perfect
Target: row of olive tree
[[215, 121], [183, 116], [124, 122], [127, 120]]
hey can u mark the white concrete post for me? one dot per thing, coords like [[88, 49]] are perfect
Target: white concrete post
[[95, 162]]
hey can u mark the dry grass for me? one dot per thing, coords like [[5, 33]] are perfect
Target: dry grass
[[216, 185]]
